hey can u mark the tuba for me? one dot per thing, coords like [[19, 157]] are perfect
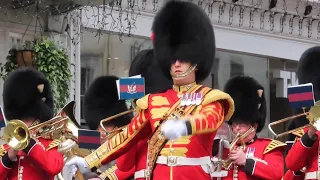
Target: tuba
[[226, 164], [313, 115]]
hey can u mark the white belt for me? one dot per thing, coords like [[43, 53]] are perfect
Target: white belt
[[143, 173], [183, 161], [312, 175]]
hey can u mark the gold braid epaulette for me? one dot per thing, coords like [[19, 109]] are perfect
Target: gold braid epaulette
[[273, 145], [2, 150], [142, 103], [109, 173], [299, 133], [53, 144], [216, 95]]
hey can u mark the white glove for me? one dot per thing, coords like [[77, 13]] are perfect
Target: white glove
[[78, 162], [174, 129], [68, 172]]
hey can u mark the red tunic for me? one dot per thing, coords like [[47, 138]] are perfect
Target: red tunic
[[39, 161], [129, 163], [290, 175], [305, 153], [204, 121], [264, 161]]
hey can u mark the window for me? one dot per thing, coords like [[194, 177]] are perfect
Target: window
[[86, 75]]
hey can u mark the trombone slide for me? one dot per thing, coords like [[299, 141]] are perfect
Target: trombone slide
[[285, 120]]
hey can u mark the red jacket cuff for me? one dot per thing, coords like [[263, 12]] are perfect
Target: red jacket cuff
[[6, 161]]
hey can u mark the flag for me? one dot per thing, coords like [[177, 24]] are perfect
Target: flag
[[301, 96], [2, 119], [131, 88], [89, 139]]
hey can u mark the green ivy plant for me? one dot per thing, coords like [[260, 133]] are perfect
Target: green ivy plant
[[53, 61]]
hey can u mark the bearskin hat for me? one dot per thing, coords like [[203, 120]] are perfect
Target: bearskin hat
[[308, 69], [101, 101], [307, 73], [249, 100], [146, 65], [27, 94], [182, 31]]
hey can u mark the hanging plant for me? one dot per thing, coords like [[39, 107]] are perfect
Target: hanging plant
[[50, 59]]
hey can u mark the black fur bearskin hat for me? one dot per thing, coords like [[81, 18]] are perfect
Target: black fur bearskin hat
[[249, 100]]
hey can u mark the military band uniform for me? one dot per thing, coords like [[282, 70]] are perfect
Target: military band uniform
[[131, 163], [134, 162], [26, 95], [305, 152], [40, 160], [295, 175], [101, 101], [264, 157], [180, 128]]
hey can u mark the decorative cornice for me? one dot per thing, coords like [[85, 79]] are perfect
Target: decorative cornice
[[254, 17]]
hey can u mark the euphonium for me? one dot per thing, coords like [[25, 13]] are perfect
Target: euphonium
[[226, 164]]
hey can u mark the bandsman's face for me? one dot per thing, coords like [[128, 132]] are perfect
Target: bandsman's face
[[180, 67], [243, 128], [240, 127]]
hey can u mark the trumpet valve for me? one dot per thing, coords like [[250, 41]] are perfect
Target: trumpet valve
[[66, 146]]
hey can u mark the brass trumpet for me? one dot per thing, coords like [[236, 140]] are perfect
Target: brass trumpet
[[17, 134], [226, 164], [313, 116], [116, 130]]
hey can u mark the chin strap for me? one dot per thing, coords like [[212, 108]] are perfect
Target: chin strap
[[184, 74]]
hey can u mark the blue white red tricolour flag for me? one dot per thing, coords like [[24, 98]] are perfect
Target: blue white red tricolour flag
[[131, 87], [2, 119], [89, 139], [301, 96]]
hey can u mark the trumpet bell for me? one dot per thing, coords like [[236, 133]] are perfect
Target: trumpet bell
[[314, 115], [109, 134], [16, 134]]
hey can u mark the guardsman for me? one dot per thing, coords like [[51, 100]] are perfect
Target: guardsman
[[181, 122], [27, 96], [251, 157], [298, 175], [144, 64], [101, 101], [305, 152]]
